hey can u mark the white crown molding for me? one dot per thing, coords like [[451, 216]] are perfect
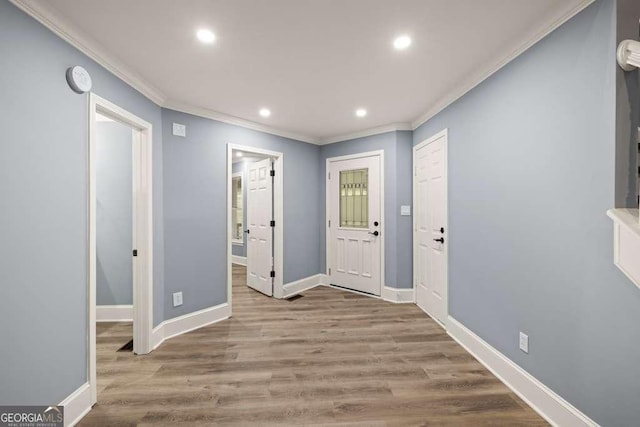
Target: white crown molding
[[481, 76], [44, 13], [51, 19], [232, 120], [366, 132], [465, 87]]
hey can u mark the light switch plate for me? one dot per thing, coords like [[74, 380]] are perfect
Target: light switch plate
[[177, 299], [405, 210], [179, 130], [524, 342]]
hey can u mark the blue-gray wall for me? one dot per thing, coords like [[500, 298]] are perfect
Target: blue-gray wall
[[114, 220], [43, 209], [239, 250], [195, 212], [531, 175], [532, 156], [404, 196], [397, 168]]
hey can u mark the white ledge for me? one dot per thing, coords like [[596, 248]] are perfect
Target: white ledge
[[626, 242], [629, 218]]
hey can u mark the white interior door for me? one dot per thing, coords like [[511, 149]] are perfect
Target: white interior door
[[430, 231], [355, 226], [260, 232]]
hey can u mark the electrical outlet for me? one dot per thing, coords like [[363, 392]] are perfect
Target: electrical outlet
[[177, 299], [524, 342]]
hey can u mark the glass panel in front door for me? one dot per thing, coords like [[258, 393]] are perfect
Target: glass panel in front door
[[354, 198]]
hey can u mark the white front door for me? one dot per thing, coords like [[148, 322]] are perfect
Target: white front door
[[354, 223], [260, 232], [430, 230]]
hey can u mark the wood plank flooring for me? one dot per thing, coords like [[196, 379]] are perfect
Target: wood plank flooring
[[329, 357]]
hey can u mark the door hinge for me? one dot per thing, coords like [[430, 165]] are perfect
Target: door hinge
[[415, 171], [273, 273], [135, 252], [329, 271], [329, 223], [273, 223], [272, 173]]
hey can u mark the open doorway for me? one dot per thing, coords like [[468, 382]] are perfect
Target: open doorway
[[255, 219], [114, 236], [120, 234]]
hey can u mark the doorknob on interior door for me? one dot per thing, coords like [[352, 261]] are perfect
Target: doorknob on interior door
[[247, 231], [375, 233], [441, 240]]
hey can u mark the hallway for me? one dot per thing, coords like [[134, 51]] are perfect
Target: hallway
[[325, 357]]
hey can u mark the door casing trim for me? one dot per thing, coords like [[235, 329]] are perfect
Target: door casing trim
[[376, 153], [142, 145], [278, 213], [444, 133]]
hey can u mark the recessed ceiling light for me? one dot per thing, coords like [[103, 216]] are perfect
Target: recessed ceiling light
[[206, 36], [402, 42], [265, 112], [361, 112]]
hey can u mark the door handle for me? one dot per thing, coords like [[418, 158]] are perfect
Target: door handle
[[441, 240], [247, 231], [374, 233]]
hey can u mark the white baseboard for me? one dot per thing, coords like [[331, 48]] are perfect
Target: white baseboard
[[188, 322], [398, 295], [294, 288], [542, 399], [114, 313], [77, 405], [395, 295], [237, 259], [353, 291]]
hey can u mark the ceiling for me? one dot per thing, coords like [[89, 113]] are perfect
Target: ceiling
[[311, 62]]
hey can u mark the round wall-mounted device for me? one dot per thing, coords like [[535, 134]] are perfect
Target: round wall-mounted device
[[628, 55], [79, 79]]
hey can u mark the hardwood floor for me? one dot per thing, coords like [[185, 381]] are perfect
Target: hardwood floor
[[329, 357]]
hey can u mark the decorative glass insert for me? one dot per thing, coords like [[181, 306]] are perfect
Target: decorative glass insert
[[237, 204], [354, 198]]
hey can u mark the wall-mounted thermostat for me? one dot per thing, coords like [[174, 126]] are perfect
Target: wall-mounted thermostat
[[179, 130], [79, 79]]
